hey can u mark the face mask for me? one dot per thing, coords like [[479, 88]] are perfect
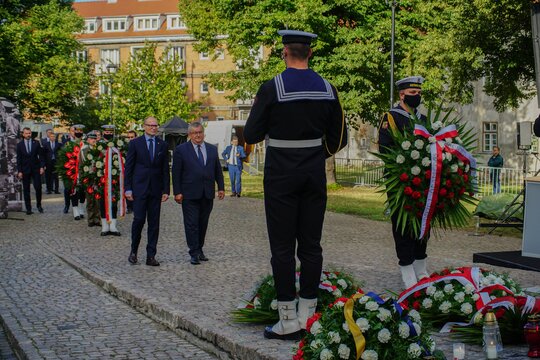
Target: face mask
[[78, 135], [108, 136], [413, 100]]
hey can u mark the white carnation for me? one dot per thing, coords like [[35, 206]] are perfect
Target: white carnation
[[86, 169], [343, 351], [110, 144], [426, 162], [414, 350], [323, 277], [415, 155], [384, 314], [339, 304], [460, 163], [475, 297], [100, 148], [449, 288], [384, 335], [406, 145], [431, 290], [432, 139], [315, 328], [369, 355], [332, 275], [466, 308], [427, 303], [454, 168], [99, 164], [438, 295], [273, 304], [436, 125], [334, 337], [114, 171], [400, 159], [448, 156], [363, 324], [364, 299], [469, 289], [315, 344], [116, 163], [89, 156], [448, 140], [415, 315], [419, 144], [467, 168], [372, 305], [337, 293], [345, 327], [326, 354], [459, 297], [342, 283], [417, 328], [403, 330], [120, 143], [445, 307], [100, 173], [415, 170]]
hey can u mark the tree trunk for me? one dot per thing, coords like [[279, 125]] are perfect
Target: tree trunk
[[331, 170]]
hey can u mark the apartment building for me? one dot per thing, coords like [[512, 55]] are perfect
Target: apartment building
[[116, 29]]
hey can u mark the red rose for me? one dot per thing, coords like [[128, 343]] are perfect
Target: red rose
[[114, 181], [416, 305], [419, 214], [113, 199], [428, 174], [416, 195], [407, 208], [102, 180], [448, 183], [450, 195], [404, 177], [69, 173], [462, 191], [416, 181], [466, 178], [417, 294], [460, 171], [440, 206], [90, 190], [97, 196], [85, 181], [443, 192], [408, 191]]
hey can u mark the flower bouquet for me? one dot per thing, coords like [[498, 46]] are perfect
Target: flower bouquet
[[67, 164], [365, 326], [458, 298], [262, 309], [430, 174]]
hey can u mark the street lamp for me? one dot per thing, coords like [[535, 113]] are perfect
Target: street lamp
[[393, 4], [111, 68]]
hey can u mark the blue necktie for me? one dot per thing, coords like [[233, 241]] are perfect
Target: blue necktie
[[151, 149], [200, 155]]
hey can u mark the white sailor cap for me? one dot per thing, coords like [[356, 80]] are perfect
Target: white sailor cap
[[108, 127], [78, 126], [414, 82], [296, 36]]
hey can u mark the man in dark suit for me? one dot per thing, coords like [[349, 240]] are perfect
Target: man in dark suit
[[147, 184], [51, 148], [234, 155], [196, 169], [30, 167]]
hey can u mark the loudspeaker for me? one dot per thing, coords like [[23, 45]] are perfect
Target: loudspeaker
[[524, 135]]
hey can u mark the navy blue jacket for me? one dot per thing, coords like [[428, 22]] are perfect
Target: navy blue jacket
[[145, 177], [239, 150], [191, 179], [28, 163]]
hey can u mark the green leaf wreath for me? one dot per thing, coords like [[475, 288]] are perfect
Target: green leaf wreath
[[408, 172]]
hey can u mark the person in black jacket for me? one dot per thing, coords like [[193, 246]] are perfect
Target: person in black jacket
[[30, 167], [300, 113]]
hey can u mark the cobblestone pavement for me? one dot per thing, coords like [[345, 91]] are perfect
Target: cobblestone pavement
[[195, 299]]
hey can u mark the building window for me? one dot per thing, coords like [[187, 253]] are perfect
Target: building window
[[110, 56], [363, 143], [219, 90], [220, 54], [174, 22], [176, 53], [104, 87], [203, 56], [204, 88], [90, 26], [111, 25], [220, 118], [81, 56], [146, 23], [489, 136], [135, 51]]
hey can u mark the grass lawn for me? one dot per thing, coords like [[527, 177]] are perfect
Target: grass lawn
[[361, 201]]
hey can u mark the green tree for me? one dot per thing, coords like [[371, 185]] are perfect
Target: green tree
[[37, 66], [450, 43], [147, 86]]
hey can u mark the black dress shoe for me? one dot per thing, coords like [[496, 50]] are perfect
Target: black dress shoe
[[49, 192], [105, 233], [269, 334], [40, 209], [91, 224], [151, 261], [203, 257], [233, 194], [29, 212], [77, 218], [56, 192], [115, 233], [66, 209], [238, 195], [195, 260], [132, 258], [81, 216]]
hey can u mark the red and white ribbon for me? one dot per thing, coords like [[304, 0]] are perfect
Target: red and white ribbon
[[108, 192], [437, 145]]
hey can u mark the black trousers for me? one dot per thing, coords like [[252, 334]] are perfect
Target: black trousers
[[102, 209], [78, 198], [196, 214], [408, 247], [51, 177], [146, 207], [35, 178], [295, 206]]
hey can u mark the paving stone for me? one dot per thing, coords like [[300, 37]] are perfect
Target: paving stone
[[196, 299]]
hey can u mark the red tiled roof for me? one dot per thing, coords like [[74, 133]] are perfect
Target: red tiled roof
[[101, 8]]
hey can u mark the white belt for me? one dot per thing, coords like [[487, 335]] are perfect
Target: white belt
[[294, 143]]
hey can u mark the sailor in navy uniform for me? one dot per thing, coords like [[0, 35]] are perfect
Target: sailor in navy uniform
[[300, 115], [77, 195], [411, 252], [106, 227]]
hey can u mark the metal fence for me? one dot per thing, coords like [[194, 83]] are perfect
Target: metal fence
[[370, 172]]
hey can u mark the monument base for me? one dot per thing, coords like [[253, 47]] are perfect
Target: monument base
[[509, 259]]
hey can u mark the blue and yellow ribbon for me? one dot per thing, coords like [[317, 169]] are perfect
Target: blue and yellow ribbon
[[359, 339]]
